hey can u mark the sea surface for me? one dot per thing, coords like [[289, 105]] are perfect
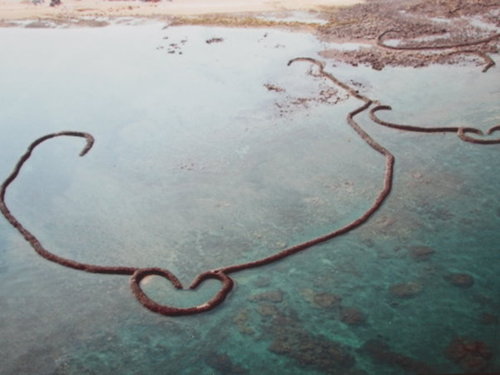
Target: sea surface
[[211, 151]]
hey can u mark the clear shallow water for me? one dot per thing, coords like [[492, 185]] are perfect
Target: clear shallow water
[[198, 165]]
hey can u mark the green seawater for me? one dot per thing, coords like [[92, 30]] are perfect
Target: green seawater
[[199, 163]]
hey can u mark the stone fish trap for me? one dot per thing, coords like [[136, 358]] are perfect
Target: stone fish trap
[[222, 274]]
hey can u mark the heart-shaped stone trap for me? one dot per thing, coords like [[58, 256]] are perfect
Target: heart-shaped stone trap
[[462, 133], [139, 275], [221, 274]]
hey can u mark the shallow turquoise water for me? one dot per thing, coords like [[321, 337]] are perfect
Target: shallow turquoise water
[[197, 165]]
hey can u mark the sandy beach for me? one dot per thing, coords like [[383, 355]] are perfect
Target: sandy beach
[[22, 10]]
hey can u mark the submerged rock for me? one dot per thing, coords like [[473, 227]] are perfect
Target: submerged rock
[[380, 352], [326, 300], [352, 316], [469, 354], [242, 321], [321, 299], [224, 365], [488, 319], [262, 282], [268, 309], [406, 290], [420, 253], [290, 339], [462, 280], [274, 296]]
